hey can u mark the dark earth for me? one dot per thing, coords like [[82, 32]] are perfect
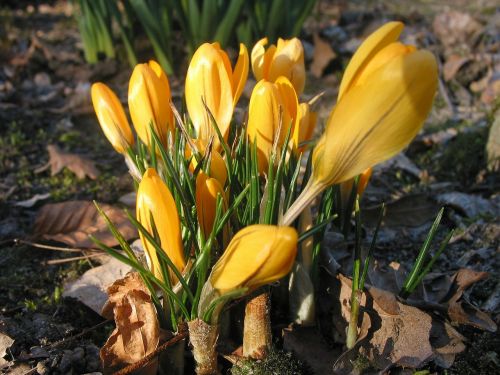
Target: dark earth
[[44, 99]]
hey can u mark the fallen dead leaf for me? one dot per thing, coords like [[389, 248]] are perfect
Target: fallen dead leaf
[[91, 287], [406, 336], [442, 293], [71, 223], [5, 344], [77, 164], [323, 54], [469, 204], [453, 27], [453, 65], [137, 332]]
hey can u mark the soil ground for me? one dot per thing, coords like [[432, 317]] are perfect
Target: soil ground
[[44, 87]]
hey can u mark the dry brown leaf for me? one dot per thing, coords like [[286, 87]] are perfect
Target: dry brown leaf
[[453, 65], [71, 223], [77, 164], [409, 338], [439, 292], [137, 332], [323, 54], [453, 27], [90, 288]]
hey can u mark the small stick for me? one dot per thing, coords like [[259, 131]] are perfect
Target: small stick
[[18, 241], [66, 260]]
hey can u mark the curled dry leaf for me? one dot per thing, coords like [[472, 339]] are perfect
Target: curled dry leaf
[[453, 27], [323, 54], [441, 293], [77, 164], [393, 333], [71, 223], [137, 332]]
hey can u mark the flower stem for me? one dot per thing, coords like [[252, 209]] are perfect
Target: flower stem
[[257, 338], [203, 337], [310, 192]]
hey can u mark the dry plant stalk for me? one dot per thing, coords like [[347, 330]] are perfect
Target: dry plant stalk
[[203, 337], [257, 337]]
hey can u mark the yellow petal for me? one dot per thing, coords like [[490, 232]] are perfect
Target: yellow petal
[[288, 61], [289, 105], [207, 190], [263, 120], [112, 117], [207, 78], [148, 101], [240, 73], [383, 36], [217, 169], [376, 120], [257, 56], [155, 201], [305, 128], [257, 255]]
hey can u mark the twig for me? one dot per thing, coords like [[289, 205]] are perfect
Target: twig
[[66, 260], [144, 361], [18, 241], [84, 332]]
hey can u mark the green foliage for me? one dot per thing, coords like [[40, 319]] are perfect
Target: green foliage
[[196, 21], [276, 362]]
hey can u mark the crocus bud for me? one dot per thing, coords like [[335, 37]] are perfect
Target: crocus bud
[[207, 190], [156, 204], [112, 117], [270, 103], [306, 123], [217, 168], [211, 78], [257, 255], [387, 96], [286, 59], [149, 102]]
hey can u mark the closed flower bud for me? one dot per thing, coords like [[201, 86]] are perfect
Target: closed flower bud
[[207, 191], [211, 78], [387, 95], [306, 123], [257, 255], [217, 169], [285, 59], [156, 204], [149, 102], [112, 117], [270, 103]]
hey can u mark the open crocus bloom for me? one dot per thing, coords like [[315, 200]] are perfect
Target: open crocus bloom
[[149, 102], [211, 79], [387, 95], [272, 110], [257, 255], [156, 204], [112, 117], [284, 59]]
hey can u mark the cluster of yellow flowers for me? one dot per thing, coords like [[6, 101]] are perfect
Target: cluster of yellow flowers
[[384, 97]]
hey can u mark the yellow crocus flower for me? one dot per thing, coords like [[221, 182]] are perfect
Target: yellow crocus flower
[[112, 118], [155, 203], [387, 96], [257, 255], [217, 168], [284, 59], [207, 190], [211, 78], [306, 123], [270, 103], [149, 102]]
